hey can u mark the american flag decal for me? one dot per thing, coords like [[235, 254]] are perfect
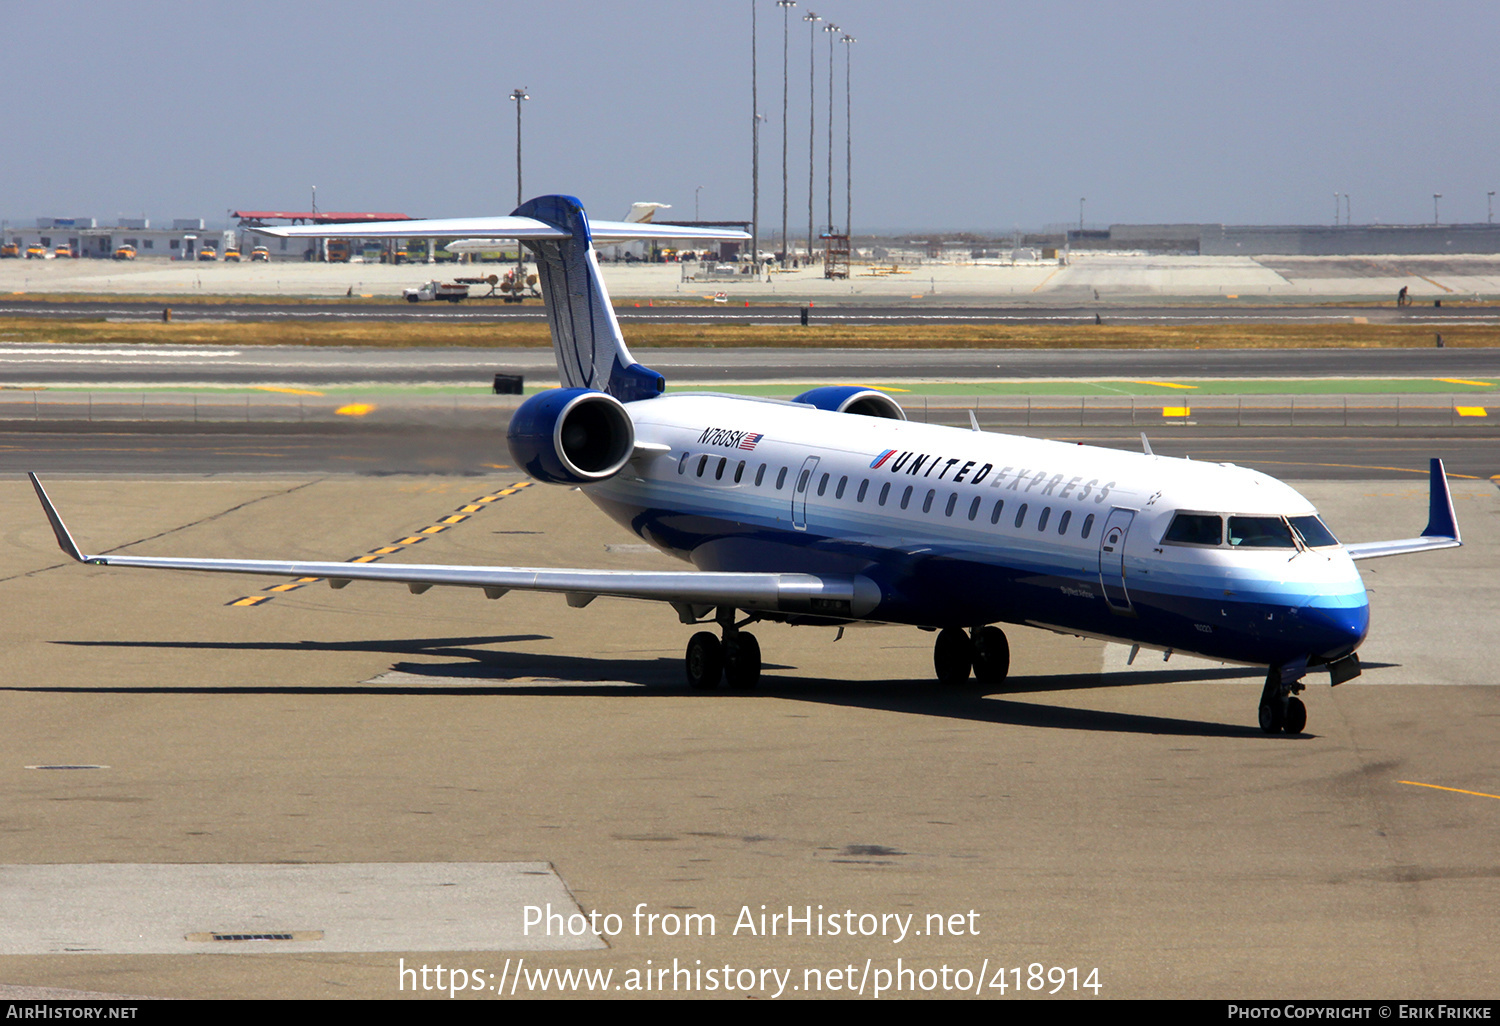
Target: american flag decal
[[750, 441]]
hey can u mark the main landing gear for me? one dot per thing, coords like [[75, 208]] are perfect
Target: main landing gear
[[1280, 708], [734, 660], [986, 652]]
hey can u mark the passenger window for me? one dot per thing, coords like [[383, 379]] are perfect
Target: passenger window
[[1041, 521], [927, 502], [723, 462], [1260, 533], [952, 501], [838, 493], [802, 481], [1021, 515], [822, 485], [1088, 525], [974, 508], [739, 472], [682, 463], [1062, 521], [781, 479], [885, 492], [995, 513], [906, 497], [702, 464], [760, 475], [1195, 529], [864, 486]]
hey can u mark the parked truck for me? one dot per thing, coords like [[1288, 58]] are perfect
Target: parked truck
[[436, 290]]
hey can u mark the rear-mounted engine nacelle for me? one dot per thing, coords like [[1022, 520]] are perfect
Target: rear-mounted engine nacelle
[[571, 436], [865, 402]]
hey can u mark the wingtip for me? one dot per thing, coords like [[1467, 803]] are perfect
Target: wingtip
[[1441, 520], [59, 529]]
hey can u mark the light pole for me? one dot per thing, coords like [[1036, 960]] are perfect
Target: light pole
[[832, 31], [1435, 197], [812, 118], [849, 148], [1348, 211], [695, 202], [1490, 218], [754, 148], [785, 6], [1335, 210], [1081, 200], [519, 96]]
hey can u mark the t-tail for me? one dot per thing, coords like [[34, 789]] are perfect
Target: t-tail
[[591, 352]]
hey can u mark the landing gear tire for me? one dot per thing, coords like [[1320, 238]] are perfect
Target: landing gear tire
[[1270, 716], [741, 661], [991, 655], [705, 661], [953, 656], [1296, 716]]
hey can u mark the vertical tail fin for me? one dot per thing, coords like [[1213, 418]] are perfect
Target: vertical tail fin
[[586, 339]]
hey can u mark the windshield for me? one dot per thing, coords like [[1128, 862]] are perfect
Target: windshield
[[1260, 533], [1314, 533]]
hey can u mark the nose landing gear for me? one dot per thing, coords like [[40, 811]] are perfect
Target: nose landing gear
[[735, 660], [1281, 711]]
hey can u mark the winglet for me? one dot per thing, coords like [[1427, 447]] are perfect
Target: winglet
[[1441, 522], [64, 539]]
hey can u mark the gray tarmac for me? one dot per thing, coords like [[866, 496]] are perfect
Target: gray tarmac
[[1090, 815]]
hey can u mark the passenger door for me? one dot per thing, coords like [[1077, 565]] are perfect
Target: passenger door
[[799, 492], [1112, 558]]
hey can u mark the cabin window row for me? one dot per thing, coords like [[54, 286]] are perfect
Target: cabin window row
[[717, 467]]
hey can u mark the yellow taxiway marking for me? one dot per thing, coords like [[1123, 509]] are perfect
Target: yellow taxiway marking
[[253, 600], [1176, 411], [364, 559], [1471, 411], [1365, 466], [434, 529], [470, 508], [287, 391], [354, 410], [385, 550], [308, 580], [1038, 284], [283, 587], [409, 540], [1163, 384], [456, 518], [1440, 787], [1465, 381], [878, 388]]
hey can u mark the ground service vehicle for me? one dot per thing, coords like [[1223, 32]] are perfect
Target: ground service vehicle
[[436, 290], [125, 253], [260, 253]]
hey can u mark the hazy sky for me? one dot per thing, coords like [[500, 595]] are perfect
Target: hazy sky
[[975, 114]]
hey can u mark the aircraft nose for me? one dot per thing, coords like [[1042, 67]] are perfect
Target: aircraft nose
[[1332, 632]]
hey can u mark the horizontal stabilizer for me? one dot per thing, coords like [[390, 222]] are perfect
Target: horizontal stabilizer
[[508, 227], [1442, 526]]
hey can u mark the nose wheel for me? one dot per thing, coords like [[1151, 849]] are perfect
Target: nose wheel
[[735, 660], [1281, 711]]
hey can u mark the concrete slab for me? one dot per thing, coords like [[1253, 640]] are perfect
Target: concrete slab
[[123, 909]]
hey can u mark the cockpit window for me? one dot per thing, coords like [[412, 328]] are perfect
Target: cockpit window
[[1195, 529], [1260, 533], [1315, 534]]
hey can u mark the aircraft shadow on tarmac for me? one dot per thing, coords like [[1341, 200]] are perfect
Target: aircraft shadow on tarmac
[[484, 672]]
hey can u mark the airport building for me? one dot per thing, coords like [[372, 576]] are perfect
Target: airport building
[[85, 237]]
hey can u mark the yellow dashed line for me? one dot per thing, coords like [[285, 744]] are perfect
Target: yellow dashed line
[[1471, 411], [288, 391], [1465, 381], [395, 546], [354, 410], [1163, 384], [1176, 411], [1440, 787]]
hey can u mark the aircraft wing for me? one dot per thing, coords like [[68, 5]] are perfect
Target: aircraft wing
[[1442, 526], [507, 227], [691, 592]]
